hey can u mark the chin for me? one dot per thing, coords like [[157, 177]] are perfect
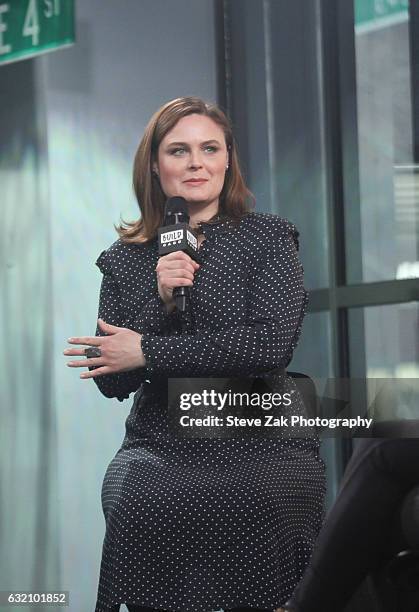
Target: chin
[[199, 203], [196, 199]]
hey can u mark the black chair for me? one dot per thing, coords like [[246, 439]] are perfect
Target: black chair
[[308, 391], [395, 585]]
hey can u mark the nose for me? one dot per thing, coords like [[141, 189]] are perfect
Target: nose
[[195, 159]]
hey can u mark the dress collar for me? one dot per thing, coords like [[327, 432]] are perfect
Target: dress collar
[[219, 225], [211, 229]]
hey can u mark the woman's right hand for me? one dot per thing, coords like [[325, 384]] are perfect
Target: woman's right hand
[[174, 270]]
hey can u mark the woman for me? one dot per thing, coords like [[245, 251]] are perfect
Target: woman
[[200, 524]]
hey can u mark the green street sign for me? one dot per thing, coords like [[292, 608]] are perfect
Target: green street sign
[[31, 27], [375, 13]]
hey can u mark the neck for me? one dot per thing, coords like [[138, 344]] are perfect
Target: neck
[[198, 214]]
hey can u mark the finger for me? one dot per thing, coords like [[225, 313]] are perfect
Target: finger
[[177, 275], [74, 352], [84, 363], [92, 340], [176, 271], [175, 266], [175, 255], [171, 283], [98, 372]]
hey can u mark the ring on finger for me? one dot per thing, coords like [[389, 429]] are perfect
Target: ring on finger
[[93, 351]]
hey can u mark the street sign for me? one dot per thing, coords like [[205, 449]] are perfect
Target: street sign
[[32, 27], [375, 14]]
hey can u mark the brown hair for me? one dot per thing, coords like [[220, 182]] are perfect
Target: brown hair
[[235, 198]]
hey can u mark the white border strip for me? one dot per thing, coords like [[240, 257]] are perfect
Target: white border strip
[[32, 54]]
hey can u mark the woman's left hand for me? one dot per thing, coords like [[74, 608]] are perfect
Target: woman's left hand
[[120, 351]]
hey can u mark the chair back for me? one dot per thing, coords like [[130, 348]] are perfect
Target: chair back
[[308, 392]]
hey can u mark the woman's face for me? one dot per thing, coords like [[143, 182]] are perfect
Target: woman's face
[[192, 160]]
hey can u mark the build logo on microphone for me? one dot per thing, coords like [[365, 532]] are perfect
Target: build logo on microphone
[[172, 237]]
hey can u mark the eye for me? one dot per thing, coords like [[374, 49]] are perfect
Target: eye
[[212, 148], [177, 151]]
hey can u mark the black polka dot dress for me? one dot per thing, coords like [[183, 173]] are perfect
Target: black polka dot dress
[[201, 524]]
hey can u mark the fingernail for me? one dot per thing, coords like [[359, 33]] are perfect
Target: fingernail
[[70, 339], [82, 375]]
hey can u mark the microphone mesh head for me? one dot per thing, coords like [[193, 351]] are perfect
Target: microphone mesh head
[[177, 205]]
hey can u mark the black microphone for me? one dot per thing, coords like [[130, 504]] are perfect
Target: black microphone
[[177, 235]]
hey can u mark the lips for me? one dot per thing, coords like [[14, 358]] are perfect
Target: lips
[[196, 181]]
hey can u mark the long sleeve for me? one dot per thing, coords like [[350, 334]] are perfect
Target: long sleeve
[[152, 318], [265, 341], [121, 384]]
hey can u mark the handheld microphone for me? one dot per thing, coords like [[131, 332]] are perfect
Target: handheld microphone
[[176, 235]]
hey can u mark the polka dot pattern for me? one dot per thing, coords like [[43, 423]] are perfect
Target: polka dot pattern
[[202, 524]]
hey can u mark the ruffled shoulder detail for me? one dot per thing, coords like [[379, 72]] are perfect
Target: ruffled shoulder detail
[[270, 222], [105, 261], [291, 229], [295, 234], [102, 262]]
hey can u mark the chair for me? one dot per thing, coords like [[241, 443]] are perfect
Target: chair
[[395, 585], [308, 391]]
